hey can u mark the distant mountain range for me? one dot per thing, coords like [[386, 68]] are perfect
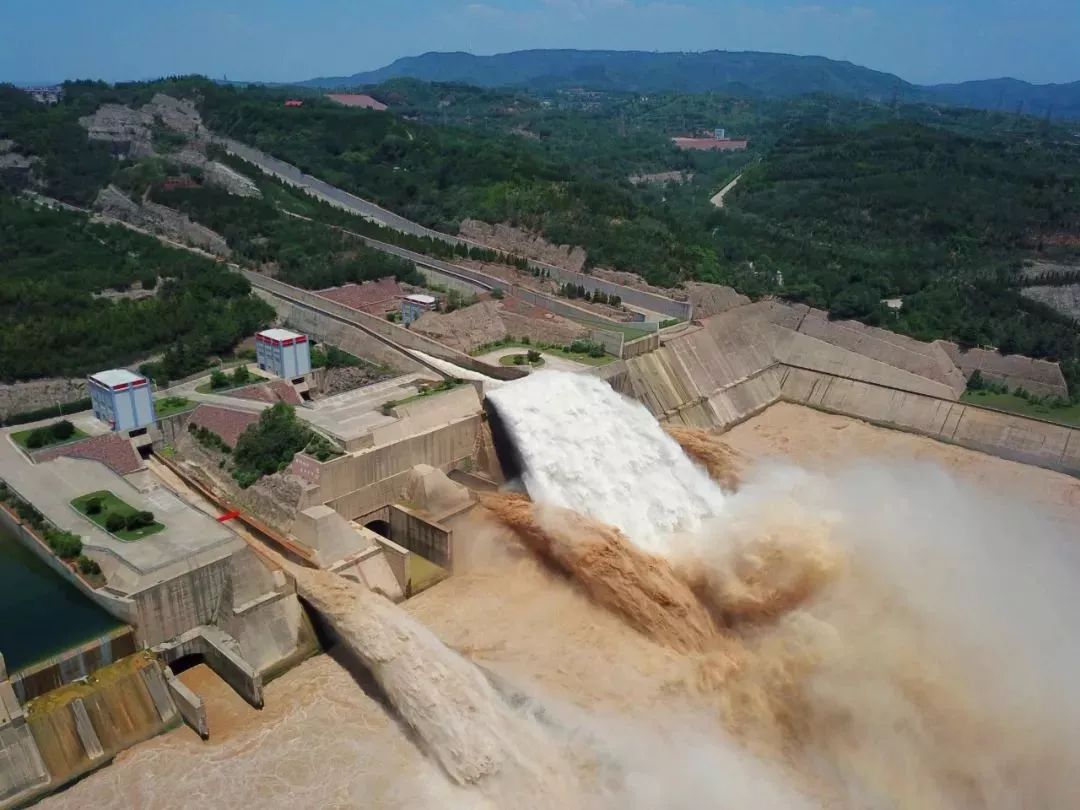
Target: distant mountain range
[[739, 73]]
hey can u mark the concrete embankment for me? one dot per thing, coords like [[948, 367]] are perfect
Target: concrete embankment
[[77, 728], [738, 363]]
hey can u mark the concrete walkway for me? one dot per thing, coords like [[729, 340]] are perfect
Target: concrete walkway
[[189, 537]]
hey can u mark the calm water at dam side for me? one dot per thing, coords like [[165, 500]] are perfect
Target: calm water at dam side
[[42, 614]]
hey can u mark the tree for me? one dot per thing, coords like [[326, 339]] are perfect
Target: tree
[[66, 544], [218, 379], [240, 376], [137, 520], [88, 566], [115, 523], [63, 430], [38, 437], [975, 381], [93, 506]]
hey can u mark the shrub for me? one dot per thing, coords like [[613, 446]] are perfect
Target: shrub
[[240, 375], [498, 294], [525, 340], [115, 523], [88, 566], [138, 520], [38, 437], [596, 350], [66, 545], [93, 506], [519, 359], [62, 430], [218, 379], [29, 514], [533, 356]]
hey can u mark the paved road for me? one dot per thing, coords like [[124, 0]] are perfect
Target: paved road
[[350, 202], [718, 198]]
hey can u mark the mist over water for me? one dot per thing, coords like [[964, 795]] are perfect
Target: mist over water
[[588, 449], [891, 636]]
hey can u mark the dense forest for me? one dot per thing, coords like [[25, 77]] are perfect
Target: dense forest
[[842, 203], [64, 296]]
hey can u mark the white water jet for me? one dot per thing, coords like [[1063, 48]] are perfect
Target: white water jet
[[587, 448]]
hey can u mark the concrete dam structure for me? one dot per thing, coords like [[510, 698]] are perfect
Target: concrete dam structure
[[396, 499], [736, 364]]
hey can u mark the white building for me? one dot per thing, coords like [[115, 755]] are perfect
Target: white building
[[122, 399], [284, 353], [415, 305]]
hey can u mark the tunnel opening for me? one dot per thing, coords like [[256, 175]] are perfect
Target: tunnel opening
[[380, 527], [186, 662]]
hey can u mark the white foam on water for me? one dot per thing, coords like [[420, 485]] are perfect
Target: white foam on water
[[587, 448]]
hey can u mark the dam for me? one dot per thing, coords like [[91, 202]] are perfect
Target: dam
[[573, 654]]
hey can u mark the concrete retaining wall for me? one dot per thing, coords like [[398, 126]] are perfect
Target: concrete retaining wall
[[189, 705], [73, 664], [122, 608], [349, 338], [84, 728], [419, 535], [219, 651], [640, 346], [22, 771], [356, 474], [178, 604], [1054, 447]]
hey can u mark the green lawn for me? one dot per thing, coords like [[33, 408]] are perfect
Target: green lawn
[[167, 406], [585, 359], [21, 437], [629, 331], [1066, 415], [110, 504], [508, 360]]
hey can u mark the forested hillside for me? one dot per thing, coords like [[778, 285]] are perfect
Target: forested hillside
[[67, 305], [745, 74], [842, 203]]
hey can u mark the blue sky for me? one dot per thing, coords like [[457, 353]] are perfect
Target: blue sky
[[274, 40]]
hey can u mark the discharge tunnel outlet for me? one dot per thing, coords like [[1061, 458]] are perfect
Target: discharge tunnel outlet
[[510, 459]]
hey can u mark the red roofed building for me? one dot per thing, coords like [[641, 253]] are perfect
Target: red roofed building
[[294, 102], [373, 297], [357, 100], [225, 422], [111, 449], [716, 144]]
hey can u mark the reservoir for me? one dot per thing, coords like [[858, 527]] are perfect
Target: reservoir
[[41, 614]]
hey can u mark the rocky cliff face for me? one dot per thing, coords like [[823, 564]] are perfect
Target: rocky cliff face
[[131, 135], [29, 396], [514, 240], [1064, 298], [160, 219]]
